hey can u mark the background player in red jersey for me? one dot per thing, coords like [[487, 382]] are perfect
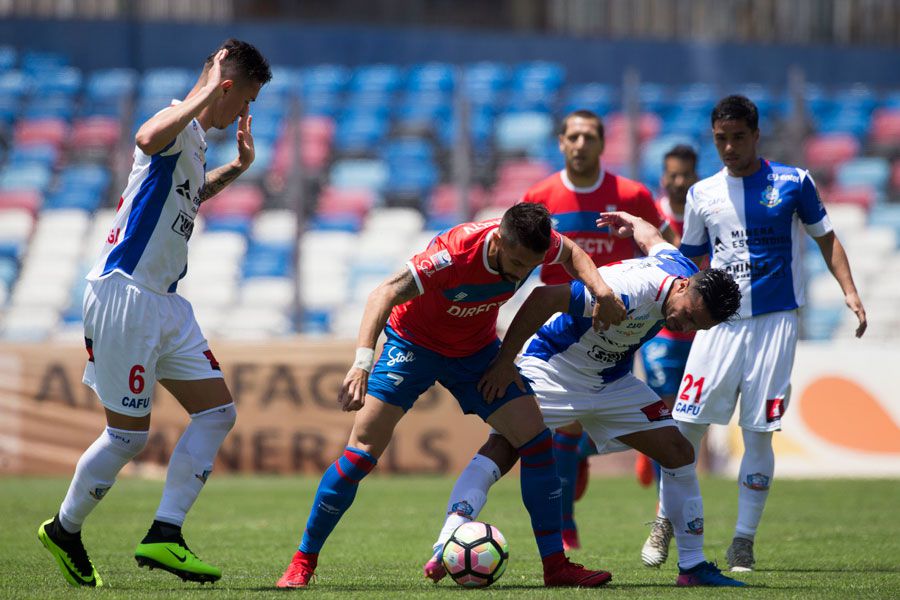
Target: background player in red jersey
[[443, 312], [576, 196]]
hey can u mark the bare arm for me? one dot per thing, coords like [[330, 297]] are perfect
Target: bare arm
[[670, 235], [161, 129], [399, 288], [217, 179], [623, 225], [540, 305], [608, 309], [836, 259]]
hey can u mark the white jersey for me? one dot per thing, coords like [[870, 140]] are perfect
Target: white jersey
[[751, 226], [568, 342], [155, 218]]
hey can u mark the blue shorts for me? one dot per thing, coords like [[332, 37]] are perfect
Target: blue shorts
[[404, 372], [664, 361]]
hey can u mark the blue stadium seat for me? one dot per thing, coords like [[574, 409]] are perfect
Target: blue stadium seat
[[697, 96], [653, 97], [42, 154], [26, 177], [819, 323], [431, 77], [872, 171], [367, 174], [540, 76], [849, 119], [267, 259], [49, 107], [886, 215], [324, 79], [65, 81], [91, 177], [523, 132], [9, 263], [408, 150], [690, 122], [315, 322], [77, 198], [14, 84], [167, 82], [336, 222], [8, 58], [485, 80], [231, 223], [111, 84], [597, 97], [376, 78], [286, 83], [9, 109], [35, 62]]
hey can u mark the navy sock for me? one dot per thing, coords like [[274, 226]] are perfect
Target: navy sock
[[336, 492], [565, 451], [541, 492]]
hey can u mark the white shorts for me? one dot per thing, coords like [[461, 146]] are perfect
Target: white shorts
[[751, 357], [134, 337], [605, 411]]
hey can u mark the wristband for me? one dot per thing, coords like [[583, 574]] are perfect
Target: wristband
[[365, 358]]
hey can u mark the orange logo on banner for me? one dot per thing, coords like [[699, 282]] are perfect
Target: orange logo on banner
[[840, 411]]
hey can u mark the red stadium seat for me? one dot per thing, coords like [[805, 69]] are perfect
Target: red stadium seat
[[235, 200], [95, 132], [885, 129], [41, 131], [616, 125], [825, 152], [860, 196], [338, 201], [445, 197], [28, 199], [895, 175]]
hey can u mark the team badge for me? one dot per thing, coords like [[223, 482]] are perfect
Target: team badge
[[695, 527], [98, 492], [757, 482], [770, 197]]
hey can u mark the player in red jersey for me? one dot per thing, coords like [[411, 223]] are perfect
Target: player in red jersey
[[576, 196], [443, 310]]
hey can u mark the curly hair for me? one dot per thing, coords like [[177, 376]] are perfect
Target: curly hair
[[720, 292]]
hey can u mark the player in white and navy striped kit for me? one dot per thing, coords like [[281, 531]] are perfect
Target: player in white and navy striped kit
[[752, 214], [582, 375], [138, 330]]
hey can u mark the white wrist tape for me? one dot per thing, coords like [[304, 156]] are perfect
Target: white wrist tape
[[365, 358]]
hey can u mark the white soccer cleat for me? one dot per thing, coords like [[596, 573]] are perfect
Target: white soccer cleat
[[656, 548]]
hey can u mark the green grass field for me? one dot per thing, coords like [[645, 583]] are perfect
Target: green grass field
[[820, 539]]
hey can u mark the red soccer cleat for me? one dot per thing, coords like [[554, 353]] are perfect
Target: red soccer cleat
[[434, 569], [570, 539], [643, 468], [562, 572], [300, 572], [581, 480]]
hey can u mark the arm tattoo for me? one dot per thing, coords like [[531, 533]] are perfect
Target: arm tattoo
[[216, 180], [404, 285]]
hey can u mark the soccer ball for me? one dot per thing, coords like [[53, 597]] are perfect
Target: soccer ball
[[476, 554]]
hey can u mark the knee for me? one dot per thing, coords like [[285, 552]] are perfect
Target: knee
[[221, 417], [679, 453], [125, 443], [498, 449], [758, 445]]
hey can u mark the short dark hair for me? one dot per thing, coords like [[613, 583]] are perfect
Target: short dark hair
[[583, 114], [682, 152], [527, 224], [243, 61], [720, 292], [736, 108]]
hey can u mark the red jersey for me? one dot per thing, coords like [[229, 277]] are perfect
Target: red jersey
[[575, 211], [676, 222], [456, 313]]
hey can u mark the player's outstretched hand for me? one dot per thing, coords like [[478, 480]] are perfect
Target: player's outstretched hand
[[497, 378], [246, 150], [621, 224], [856, 305], [353, 391], [608, 310]]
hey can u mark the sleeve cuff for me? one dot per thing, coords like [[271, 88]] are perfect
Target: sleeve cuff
[[819, 229], [661, 247], [690, 250], [412, 269]]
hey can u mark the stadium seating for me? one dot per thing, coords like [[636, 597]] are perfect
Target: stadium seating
[[368, 155]]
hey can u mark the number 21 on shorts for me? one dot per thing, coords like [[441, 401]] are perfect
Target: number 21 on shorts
[[689, 383]]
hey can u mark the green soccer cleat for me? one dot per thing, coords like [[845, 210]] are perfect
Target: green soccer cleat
[[70, 555], [176, 558]]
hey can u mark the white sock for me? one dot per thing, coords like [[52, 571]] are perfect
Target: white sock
[[469, 494], [684, 507], [192, 461], [754, 480], [96, 472], [694, 433]]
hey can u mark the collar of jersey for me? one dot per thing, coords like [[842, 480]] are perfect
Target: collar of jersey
[[582, 190], [484, 253]]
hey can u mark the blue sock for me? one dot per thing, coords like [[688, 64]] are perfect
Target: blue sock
[[586, 446], [541, 492], [657, 472], [565, 451], [334, 496]]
